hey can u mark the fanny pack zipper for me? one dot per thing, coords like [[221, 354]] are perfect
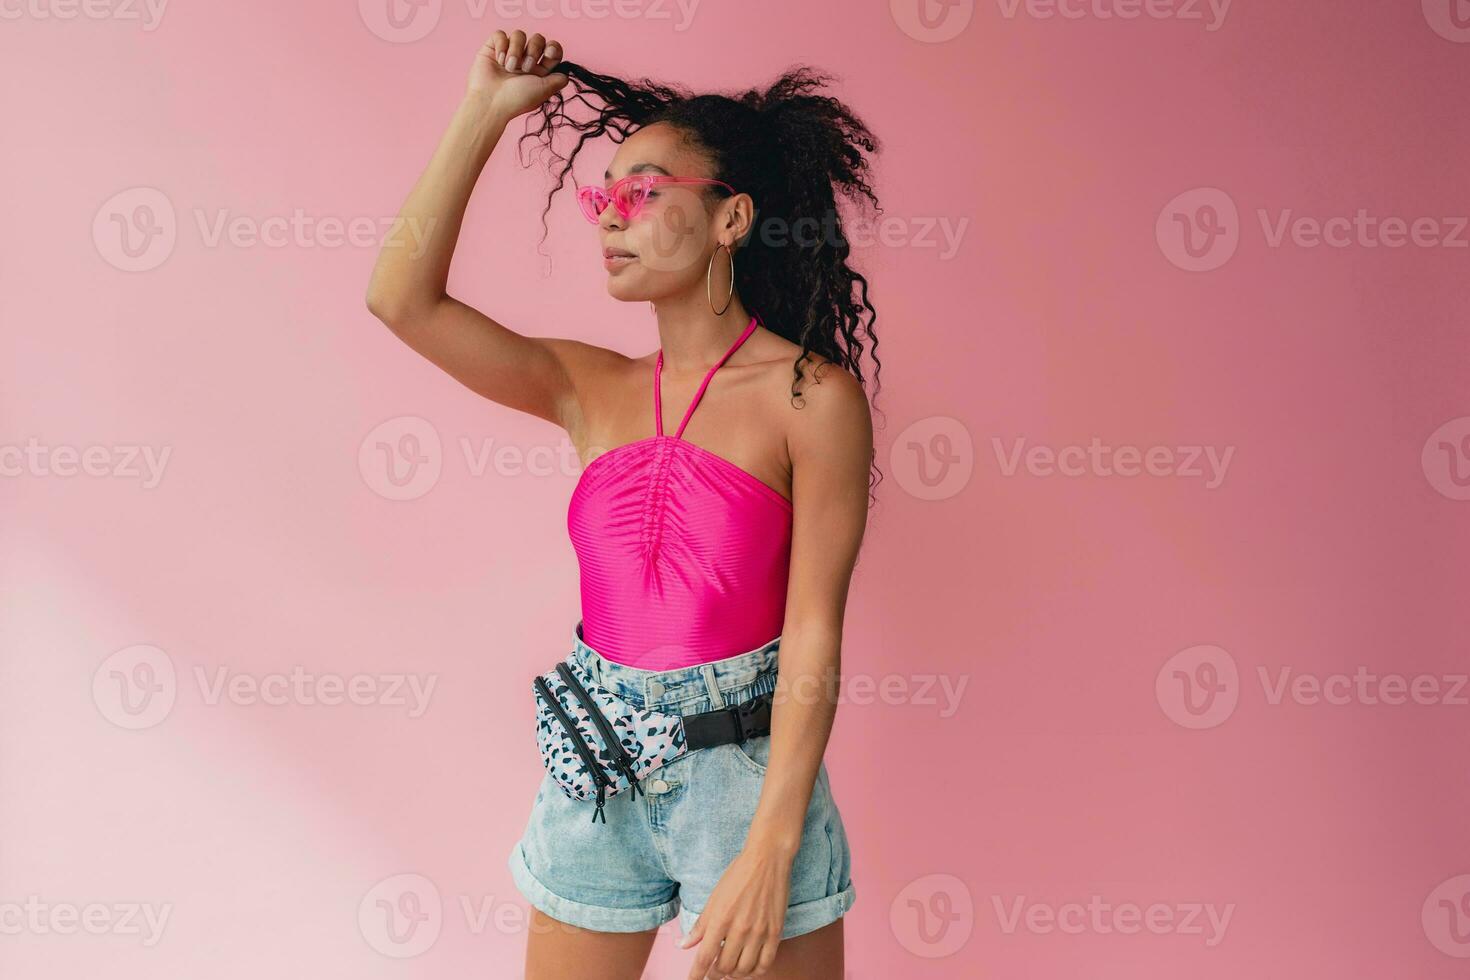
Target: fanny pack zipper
[[578, 743], [622, 761]]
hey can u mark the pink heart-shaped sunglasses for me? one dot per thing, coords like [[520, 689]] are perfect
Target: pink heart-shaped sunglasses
[[631, 193]]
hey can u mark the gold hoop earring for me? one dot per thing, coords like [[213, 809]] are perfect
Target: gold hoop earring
[[709, 279]]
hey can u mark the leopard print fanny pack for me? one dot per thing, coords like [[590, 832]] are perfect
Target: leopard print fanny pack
[[596, 744]]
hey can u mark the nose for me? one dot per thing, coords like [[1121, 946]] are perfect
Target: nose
[[610, 219]]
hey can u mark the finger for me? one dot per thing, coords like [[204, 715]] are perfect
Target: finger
[[705, 964], [719, 960], [515, 51], [552, 56], [730, 954], [535, 44], [750, 957], [494, 47], [704, 961], [768, 953]]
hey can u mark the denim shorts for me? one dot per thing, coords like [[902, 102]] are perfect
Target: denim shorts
[[661, 854]]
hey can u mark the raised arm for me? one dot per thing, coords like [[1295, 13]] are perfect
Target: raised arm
[[407, 289]]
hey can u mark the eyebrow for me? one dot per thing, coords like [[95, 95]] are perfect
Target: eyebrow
[[639, 168]]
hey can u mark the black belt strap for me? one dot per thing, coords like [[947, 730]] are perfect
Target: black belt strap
[[727, 725]]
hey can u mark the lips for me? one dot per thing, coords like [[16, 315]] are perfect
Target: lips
[[616, 258]]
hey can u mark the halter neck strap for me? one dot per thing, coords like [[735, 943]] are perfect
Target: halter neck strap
[[658, 368]]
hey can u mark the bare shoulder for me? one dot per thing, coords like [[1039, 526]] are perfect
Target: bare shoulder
[[824, 412]]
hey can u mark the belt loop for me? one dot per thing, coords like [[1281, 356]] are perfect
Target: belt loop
[[717, 700]]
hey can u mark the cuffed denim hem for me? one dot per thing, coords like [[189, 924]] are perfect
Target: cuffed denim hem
[[800, 919], [594, 917]]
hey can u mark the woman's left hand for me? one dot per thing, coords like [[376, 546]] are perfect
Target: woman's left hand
[[747, 910]]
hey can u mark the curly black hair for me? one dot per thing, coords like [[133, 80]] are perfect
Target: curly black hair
[[795, 151]]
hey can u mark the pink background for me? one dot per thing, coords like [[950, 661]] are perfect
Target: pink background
[[1075, 616]]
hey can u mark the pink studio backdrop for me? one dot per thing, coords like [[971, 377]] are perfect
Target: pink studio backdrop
[[1155, 650]]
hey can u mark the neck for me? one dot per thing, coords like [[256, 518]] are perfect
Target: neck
[[692, 336]]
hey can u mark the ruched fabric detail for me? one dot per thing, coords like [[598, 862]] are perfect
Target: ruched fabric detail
[[684, 556]]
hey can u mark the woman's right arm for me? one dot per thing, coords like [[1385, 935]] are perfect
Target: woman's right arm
[[407, 289]]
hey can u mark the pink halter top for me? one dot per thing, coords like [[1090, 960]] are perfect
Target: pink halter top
[[684, 555]]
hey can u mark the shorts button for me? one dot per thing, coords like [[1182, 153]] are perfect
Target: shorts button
[[658, 786], [655, 689]]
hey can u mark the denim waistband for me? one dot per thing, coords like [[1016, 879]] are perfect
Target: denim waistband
[[754, 670]]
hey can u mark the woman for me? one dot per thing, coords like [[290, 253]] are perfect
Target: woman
[[707, 541]]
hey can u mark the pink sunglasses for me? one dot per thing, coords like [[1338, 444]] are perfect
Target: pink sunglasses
[[631, 193]]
